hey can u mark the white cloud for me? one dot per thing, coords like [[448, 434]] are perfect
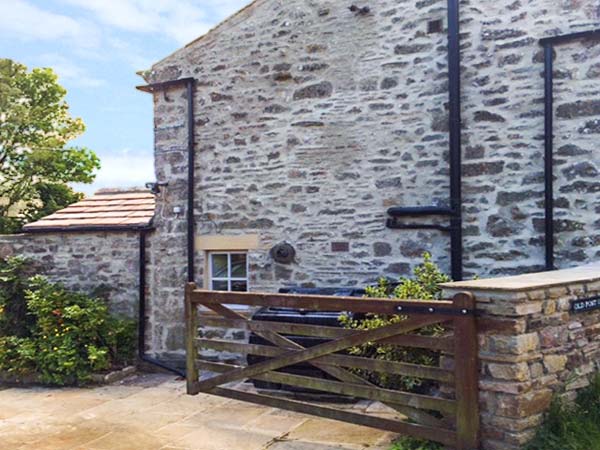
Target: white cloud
[[180, 20], [28, 22], [90, 29], [123, 169], [71, 72]]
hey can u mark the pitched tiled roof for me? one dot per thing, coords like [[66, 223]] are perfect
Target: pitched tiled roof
[[108, 209]]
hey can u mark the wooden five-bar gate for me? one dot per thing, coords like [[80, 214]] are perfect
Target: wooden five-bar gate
[[452, 420]]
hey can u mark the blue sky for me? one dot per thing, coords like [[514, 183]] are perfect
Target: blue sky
[[96, 47]]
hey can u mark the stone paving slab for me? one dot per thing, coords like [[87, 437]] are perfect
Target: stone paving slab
[[150, 412]]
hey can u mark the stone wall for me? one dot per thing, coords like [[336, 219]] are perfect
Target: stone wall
[[531, 347], [503, 129], [104, 264], [310, 121]]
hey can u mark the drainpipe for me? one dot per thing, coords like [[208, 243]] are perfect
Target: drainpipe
[[548, 44], [142, 310], [456, 238], [152, 88], [189, 84], [454, 212], [191, 180], [549, 155]]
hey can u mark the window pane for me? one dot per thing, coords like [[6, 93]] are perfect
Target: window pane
[[220, 285], [238, 266], [239, 286], [219, 266]]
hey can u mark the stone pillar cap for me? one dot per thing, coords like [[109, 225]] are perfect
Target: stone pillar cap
[[530, 281]]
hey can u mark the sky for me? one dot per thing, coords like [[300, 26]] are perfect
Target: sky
[[96, 47]]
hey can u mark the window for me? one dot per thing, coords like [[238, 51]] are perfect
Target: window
[[228, 271]]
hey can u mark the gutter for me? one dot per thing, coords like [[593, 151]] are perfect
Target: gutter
[[80, 229]]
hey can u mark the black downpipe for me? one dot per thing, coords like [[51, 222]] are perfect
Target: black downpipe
[[142, 312], [454, 121], [189, 83], [191, 180], [549, 154], [548, 43], [151, 88], [142, 296]]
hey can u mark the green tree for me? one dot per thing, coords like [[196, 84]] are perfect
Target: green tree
[[36, 162]]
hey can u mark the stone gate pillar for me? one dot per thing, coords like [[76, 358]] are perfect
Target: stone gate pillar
[[532, 346]]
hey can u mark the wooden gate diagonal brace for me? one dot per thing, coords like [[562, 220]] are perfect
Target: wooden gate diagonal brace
[[295, 357], [287, 344], [337, 372]]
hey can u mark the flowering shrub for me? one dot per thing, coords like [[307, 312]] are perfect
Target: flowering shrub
[[67, 335], [424, 286]]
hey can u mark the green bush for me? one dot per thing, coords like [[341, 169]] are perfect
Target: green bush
[[572, 426], [410, 443], [14, 276], [17, 355], [68, 335], [424, 286]]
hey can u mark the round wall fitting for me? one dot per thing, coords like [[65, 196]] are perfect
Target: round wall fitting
[[283, 253]]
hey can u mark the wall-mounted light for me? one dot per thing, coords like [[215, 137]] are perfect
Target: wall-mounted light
[[155, 186]]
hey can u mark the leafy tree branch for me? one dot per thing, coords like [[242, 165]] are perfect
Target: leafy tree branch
[[36, 162]]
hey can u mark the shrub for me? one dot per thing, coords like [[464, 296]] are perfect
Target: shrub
[[17, 355], [68, 332], [572, 426], [425, 286], [410, 443], [69, 335], [14, 320]]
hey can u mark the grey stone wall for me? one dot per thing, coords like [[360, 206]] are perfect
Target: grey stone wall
[[95, 263], [311, 121], [532, 346], [503, 111]]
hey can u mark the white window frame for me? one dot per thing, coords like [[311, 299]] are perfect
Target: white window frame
[[229, 278]]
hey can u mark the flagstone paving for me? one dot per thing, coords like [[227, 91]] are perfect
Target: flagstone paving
[[150, 412]]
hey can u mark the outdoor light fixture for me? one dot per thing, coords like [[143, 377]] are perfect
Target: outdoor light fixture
[[155, 186]]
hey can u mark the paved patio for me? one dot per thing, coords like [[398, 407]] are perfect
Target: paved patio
[[152, 412]]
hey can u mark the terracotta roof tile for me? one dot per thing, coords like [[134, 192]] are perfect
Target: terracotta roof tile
[[105, 210]]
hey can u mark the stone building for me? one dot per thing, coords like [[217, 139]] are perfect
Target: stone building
[[307, 120], [92, 246]]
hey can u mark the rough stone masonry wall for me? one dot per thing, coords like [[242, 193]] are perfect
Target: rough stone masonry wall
[[311, 121], [307, 130], [531, 347], [503, 129], [95, 263]]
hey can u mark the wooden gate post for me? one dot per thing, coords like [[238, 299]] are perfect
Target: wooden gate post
[[466, 374], [191, 334]]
